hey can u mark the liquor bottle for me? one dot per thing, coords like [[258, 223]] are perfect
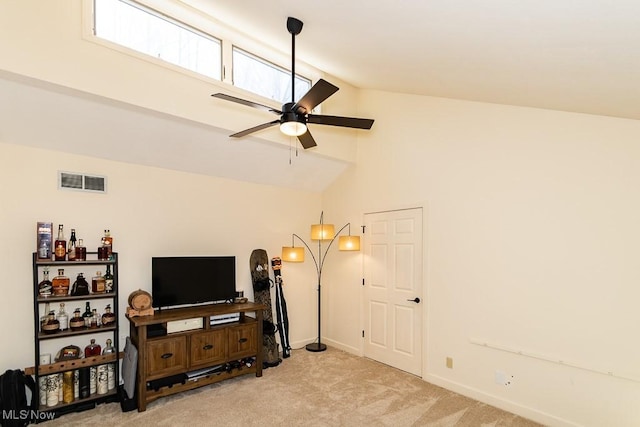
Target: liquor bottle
[[71, 250], [53, 390], [80, 286], [63, 318], [87, 315], [67, 387], [109, 348], [76, 384], [81, 251], [84, 380], [61, 284], [43, 250], [93, 375], [92, 349], [45, 316], [98, 283], [111, 367], [108, 318], [108, 280], [102, 379], [108, 242], [60, 245], [95, 319], [76, 323], [103, 251], [45, 287], [52, 324]]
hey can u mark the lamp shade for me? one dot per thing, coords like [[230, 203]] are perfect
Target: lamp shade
[[292, 254], [322, 232], [349, 243]]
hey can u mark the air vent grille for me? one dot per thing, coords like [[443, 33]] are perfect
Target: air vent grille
[[82, 182]]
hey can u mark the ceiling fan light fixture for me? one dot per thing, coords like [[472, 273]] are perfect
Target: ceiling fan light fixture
[[293, 128]]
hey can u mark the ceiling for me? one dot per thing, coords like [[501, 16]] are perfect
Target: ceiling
[[569, 55], [580, 56]]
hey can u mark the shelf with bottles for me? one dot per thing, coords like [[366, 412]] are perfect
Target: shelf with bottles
[[60, 287], [74, 380], [59, 324], [68, 378]]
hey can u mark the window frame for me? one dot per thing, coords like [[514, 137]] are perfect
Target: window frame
[[268, 63], [227, 37], [170, 19]]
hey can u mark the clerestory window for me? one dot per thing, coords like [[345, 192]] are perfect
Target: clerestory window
[[265, 78], [134, 26]]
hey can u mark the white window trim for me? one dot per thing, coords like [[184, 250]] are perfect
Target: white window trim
[[228, 39]]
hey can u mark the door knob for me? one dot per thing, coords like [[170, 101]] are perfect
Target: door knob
[[416, 300]]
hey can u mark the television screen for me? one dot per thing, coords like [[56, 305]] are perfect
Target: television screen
[[184, 281]]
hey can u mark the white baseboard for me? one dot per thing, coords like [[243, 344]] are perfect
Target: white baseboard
[[506, 405]]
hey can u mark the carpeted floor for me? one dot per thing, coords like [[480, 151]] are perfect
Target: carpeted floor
[[332, 388]]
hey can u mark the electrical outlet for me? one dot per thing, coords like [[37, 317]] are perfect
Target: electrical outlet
[[503, 378], [449, 362]]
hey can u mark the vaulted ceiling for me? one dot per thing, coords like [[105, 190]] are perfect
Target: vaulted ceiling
[[578, 56]]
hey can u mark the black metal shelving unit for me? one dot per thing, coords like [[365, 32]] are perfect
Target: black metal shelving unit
[[54, 367]]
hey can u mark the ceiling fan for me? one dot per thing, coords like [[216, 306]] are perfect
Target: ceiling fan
[[294, 116]]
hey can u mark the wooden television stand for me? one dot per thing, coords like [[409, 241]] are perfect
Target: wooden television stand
[[166, 357]]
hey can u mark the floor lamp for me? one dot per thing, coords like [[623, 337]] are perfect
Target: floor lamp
[[322, 233]]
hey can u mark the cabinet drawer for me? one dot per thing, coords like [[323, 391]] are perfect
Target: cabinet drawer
[[208, 348], [166, 356], [242, 341]]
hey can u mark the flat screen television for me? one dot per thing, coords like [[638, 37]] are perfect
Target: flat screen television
[[192, 280]]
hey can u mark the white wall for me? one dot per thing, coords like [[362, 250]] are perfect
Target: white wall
[[531, 236], [150, 212]]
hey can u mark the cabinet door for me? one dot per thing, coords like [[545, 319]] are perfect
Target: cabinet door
[[208, 348], [166, 356], [242, 341]]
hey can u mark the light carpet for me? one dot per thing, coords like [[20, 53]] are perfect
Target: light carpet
[[332, 388]]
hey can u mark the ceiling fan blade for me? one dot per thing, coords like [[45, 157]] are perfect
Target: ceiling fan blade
[[348, 122], [318, 93], [254, 129], [245, 102], [307, 140]]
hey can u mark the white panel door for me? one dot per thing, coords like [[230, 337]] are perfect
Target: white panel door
[[393, 288]]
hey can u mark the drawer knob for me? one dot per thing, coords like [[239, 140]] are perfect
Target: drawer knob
[[207, 347], [241, 340], [166, 355]]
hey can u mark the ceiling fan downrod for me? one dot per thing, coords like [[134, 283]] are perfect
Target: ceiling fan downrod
[[294, 26]]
